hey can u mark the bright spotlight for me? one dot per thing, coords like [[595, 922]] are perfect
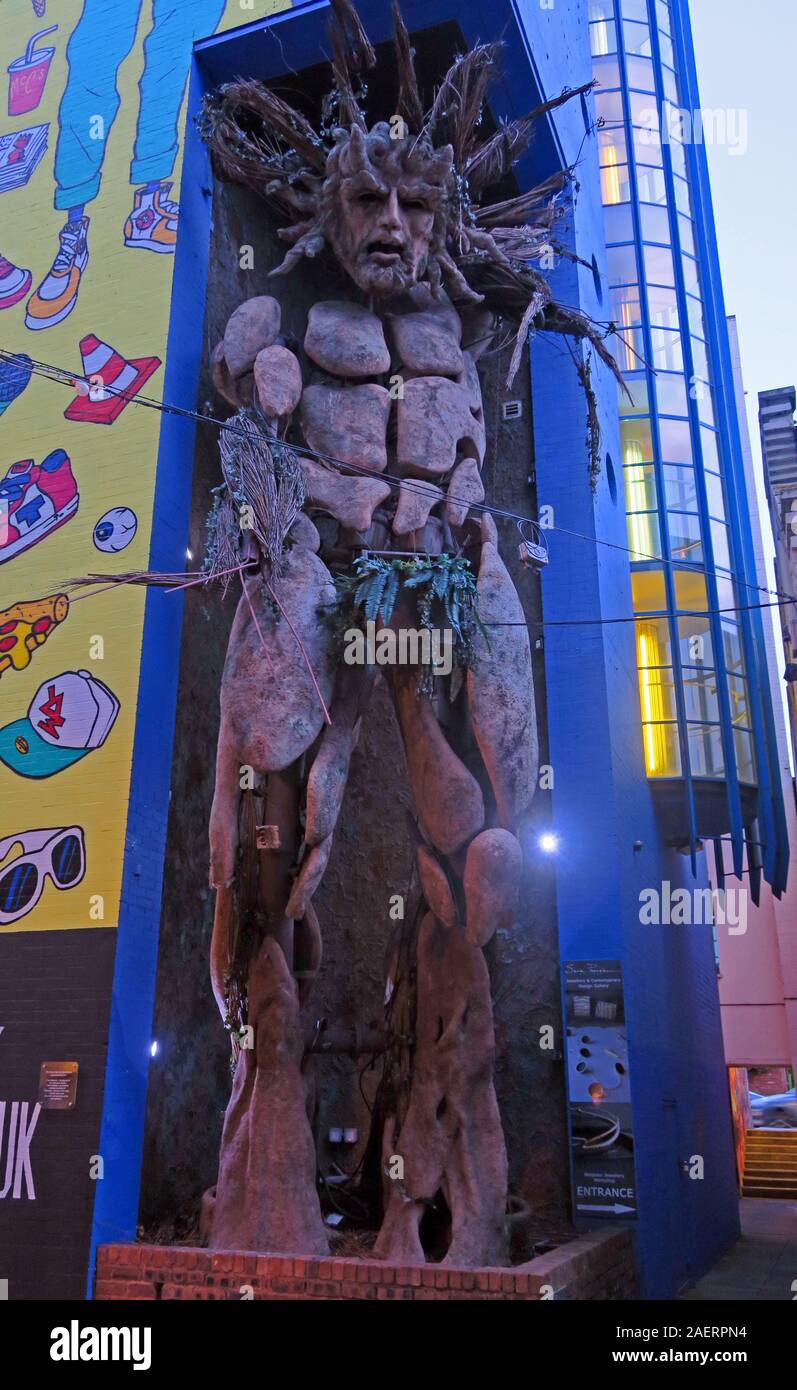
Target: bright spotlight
[[549, 843], [154, 1049]]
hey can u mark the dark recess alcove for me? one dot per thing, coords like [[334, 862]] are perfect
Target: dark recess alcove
[[372, 858]]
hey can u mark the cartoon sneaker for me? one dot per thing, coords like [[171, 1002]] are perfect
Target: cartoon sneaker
[[14, 283], [35, 499], [152, 224], [57, 293]]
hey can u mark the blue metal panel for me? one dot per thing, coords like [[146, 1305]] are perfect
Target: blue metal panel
[[129, 1040]]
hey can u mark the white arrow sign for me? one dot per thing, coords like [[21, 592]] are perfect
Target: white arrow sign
[[588, 1206]]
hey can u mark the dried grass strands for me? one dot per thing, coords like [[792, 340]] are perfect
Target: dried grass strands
[[513, 211], [272, 493], [535, 306], [495, 157], [458, 105], [408, 103], [228, 127], [351, 53]]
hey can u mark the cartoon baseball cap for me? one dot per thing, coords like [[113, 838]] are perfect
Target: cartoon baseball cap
[[68, 716]]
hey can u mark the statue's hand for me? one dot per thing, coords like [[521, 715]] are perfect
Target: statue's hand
[[253, 327]]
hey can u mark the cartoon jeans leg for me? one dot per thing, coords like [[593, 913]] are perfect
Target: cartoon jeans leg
[[101, 40], [152, 224]]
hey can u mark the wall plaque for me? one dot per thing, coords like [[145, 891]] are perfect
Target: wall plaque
[[58, 1085]]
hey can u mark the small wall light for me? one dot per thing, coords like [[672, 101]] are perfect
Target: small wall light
[[154, 1049]]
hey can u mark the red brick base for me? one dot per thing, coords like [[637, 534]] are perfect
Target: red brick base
[[598, 1266]]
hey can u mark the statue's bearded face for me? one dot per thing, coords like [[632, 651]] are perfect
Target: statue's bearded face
[[383, 230]]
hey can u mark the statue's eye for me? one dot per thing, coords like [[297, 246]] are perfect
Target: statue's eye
[[414, 205], [369, 199]]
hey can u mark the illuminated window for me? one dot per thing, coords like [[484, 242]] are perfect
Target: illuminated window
[[700, 696], [680, 491], [705, 750], [647, 591], [644, 536], [652, 188], [668, 354], [686, 544], [618, 223], [636, 38], [682, 199], [609, 107], [636, 441], [686, 233], [705, 405], [745, 756], [676, 441], [606, 71], [732, 647], [694, 641], [647, 147], [721, 545], [615, 187], [708, 444], [662, 307], [655, 224], [670, 86], [691, 277], [640, 488], [657, 699], [659, 269], [633, 399], [603, 37], [640, 73], [740, 704], [621, 265], [690, 591], [671, 394], [697, 325], [627, 313]]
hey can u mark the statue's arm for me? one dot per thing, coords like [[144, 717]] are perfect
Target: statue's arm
[[251, 366]]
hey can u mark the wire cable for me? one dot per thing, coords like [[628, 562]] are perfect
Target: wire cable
[[67, 378]]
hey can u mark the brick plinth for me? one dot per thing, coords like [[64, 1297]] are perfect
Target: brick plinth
[[597, 1266]]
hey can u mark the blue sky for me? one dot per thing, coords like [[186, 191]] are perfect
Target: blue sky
[[747, 59]]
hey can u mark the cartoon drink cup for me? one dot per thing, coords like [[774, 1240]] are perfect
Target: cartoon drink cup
[[28, 74]]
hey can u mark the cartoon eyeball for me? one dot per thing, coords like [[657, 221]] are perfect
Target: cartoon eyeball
[[115, 529]]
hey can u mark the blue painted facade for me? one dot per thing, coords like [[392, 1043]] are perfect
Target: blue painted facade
[[602, 805]]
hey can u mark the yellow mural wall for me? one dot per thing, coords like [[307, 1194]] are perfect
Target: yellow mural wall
[[91, 135]]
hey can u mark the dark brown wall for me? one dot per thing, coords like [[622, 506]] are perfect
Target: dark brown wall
[[54, 993], [372, 858]]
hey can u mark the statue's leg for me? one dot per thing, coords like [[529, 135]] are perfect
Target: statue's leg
[[223, 860], [451, 1140], [266, 1196]]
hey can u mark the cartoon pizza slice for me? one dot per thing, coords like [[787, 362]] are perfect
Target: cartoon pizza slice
[[26, 626]]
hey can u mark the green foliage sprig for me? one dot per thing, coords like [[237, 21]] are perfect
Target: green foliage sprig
[[445, 592]]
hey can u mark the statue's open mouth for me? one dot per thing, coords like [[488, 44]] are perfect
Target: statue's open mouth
[[385, 252]]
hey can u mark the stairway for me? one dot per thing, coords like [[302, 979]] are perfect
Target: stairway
[[770, 1163]]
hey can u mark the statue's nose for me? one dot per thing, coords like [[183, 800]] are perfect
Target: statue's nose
[[391, 213]]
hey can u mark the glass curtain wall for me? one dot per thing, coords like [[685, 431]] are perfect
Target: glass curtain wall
[[693, 687]]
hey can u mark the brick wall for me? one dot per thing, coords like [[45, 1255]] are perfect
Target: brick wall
[[598, 1266]]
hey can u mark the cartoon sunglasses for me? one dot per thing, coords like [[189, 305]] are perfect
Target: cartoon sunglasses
[[56, 854]]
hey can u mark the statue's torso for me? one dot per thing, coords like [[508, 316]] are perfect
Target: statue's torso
[[394, 394]]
